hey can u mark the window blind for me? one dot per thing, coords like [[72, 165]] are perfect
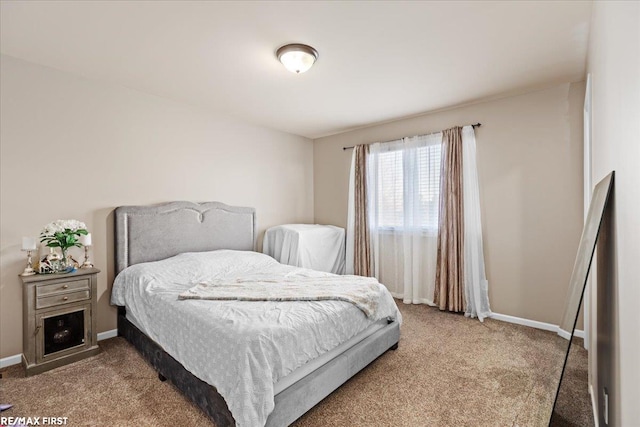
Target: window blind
[[409, 183]]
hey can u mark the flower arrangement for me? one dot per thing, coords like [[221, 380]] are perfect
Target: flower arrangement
[[63, 234]]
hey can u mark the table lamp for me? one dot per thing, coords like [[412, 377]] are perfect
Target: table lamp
[[86, 242], [28, 245]]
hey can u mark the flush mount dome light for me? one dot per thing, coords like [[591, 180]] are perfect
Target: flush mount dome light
[[297, 58]]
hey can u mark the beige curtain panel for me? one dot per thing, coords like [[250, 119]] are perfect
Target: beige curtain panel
[[362, 240], [449, 289]]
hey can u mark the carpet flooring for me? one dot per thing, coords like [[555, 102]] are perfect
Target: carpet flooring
[[447, 371]]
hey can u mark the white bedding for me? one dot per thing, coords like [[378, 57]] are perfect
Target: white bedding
[[242, 348]]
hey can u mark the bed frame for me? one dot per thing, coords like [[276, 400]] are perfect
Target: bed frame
[[152, 233]]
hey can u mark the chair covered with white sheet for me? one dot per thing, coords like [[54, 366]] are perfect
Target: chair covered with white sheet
[[319, 247]]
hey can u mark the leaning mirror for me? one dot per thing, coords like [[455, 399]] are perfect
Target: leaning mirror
[[563, 412]]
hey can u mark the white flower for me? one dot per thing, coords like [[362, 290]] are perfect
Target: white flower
[[61, 225]]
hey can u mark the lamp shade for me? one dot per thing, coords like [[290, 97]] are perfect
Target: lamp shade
[[297, 58], [28, 244], [85, 240]]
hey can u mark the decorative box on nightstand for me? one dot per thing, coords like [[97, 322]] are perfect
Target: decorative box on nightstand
[[59, 319]]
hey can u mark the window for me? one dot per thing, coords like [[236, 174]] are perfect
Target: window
[[408, 187]]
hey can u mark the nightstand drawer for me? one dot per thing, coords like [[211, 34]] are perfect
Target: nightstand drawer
[[58, 299], [61, 287]]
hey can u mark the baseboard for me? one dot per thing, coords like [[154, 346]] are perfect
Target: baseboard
[[525, 322], [596, 422], [538, 325], [11, 360], [17, 358], [107, 334]]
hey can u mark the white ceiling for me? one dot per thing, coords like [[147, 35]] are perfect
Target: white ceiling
[[379, 61]]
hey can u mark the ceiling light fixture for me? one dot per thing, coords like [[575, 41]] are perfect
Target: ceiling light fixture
[[297, 58]]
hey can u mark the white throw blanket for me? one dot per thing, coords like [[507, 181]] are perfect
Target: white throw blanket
[[363, 292]]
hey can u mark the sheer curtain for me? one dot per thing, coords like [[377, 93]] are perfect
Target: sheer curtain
[[403, 181], [403, 194], [476, 286]]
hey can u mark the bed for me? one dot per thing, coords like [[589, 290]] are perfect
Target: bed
[[162, 250]]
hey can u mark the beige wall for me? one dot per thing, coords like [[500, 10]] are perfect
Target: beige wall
[[530, 171], [75, 148], [614, 64]]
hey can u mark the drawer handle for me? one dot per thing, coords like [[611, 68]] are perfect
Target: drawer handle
[[65, 298], [65, 286]]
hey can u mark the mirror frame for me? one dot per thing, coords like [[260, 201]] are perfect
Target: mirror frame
[[582, 266]]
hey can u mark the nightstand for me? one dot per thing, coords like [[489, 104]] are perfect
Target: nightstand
[[59, 319]]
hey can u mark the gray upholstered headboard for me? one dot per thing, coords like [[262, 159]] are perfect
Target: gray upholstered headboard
[[152, 233]]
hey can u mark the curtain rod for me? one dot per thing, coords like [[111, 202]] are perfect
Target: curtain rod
[[477, 125]]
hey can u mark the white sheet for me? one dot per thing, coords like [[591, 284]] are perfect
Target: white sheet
[[319, 247], [241, 348]]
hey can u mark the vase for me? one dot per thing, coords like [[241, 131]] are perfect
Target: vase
[[52, 261], [65, 265]]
